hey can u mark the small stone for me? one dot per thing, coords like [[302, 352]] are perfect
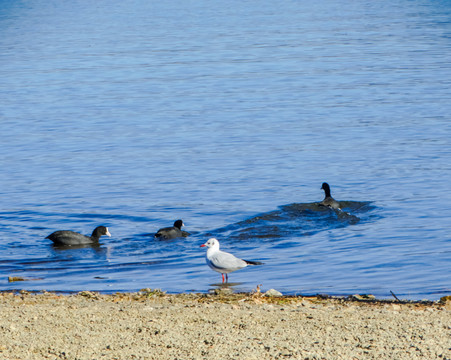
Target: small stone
[[272, 292]]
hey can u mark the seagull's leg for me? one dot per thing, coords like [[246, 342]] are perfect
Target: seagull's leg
[[227, 278], [222, 278]]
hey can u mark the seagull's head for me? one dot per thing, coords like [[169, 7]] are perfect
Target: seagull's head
[[211, 243]]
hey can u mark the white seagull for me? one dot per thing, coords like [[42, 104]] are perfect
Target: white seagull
[[223, 262]]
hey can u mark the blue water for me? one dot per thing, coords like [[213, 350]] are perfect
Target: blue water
[[228, 116]]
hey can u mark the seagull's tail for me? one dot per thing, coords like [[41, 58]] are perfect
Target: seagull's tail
[[253, 262]]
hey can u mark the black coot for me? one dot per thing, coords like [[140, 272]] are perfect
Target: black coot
[[329, 201], [172, 232], [67, 237]]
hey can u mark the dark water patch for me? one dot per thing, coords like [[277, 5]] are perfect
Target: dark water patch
[[111, 217], [151, 236], [30, 262], [295, 220], [82, 267], [63, 220], [75, 247]]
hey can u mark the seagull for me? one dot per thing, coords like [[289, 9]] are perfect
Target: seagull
[[223, 262], [329, 201]]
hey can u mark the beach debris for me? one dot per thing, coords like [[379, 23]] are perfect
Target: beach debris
[[363, 297], [148, 292], [273, 292], [20, 278], [257, 292], [445, 301], [221, 291], [391, 292], [89, 295]]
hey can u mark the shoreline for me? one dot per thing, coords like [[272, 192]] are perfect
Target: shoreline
[[225, 291], [154, 325]]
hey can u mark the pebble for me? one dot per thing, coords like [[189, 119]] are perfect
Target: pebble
[[272, 292]]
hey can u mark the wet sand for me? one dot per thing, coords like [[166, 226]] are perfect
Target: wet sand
[[153, 325]]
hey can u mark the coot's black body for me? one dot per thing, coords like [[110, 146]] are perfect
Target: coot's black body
[[329, 201], [67, 237], [172, 232]]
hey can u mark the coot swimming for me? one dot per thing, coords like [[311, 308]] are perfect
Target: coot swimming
[[172, 232], [67, 237], [329, 201]]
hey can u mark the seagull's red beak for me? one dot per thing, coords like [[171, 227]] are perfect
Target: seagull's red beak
[[203, 245]]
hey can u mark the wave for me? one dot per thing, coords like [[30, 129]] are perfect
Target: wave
[[297, 219]]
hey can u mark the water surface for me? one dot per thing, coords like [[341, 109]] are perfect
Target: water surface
[[229, 116]]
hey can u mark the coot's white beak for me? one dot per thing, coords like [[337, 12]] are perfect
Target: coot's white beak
[[107, 233]]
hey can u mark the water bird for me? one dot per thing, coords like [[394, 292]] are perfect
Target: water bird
[[329, 201], [223, 262], [67, 237], [172, 232]]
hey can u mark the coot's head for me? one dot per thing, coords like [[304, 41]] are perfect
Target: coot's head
[[100, 231], [178, 224], [326, 188]]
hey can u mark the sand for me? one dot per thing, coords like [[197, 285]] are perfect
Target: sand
[[153, 325]]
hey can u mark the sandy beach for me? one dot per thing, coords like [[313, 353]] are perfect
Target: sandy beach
[[153, 325]]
